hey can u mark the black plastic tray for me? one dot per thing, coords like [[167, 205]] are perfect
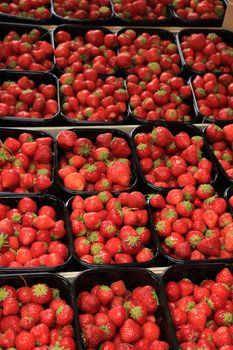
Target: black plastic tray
[[163, 33], [145, 22], [5, 17], [226, 35], [38, 78], [87, 122], [189, 102], [221, 170], [13, 132], [221, 123], [227, 194], [76, 29], [175, 128], [92, 134], [215, 22], [6, 27], [62, 214], [132, 277], [97, 21], [173, 260], [153, 244], [196, 273]]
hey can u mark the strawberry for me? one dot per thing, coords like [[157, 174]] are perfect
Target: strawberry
[[138, 313], [43, 222], [223, 318], [225, 276], [7, 339], [146, 295], [197, 319], [64, 315], [118, 288], [66, 139], [105, 294], [25, 341], [117, 315], [161, 136], [209, 246], [205, 191], [192, 154], [119, 173], [40, 293], [10, 179], [92, 335], [130, 331], [88, 303], [151, 331], [222, 336]]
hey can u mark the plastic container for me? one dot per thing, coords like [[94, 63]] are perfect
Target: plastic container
[[132, 278], [196, 273], [228, 194], [226, 36], [204, 119], [183, 22], [175, 128], [38, 78], [5, 17], [153, 245], [222, 172], [87, 122], [62, 214], [144, 22], [92, 134], [85, 21], [174, 260], [74, 30], [13, 132], [21, 29], [192, 113], [163, 33]]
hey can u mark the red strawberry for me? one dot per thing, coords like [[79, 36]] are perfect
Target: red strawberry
[[209, 246], [197, 319], [43, 222], [225, 276], [119, 173], [117, 315], [92, 335], [130, 331], [192, 154], [161, 136], [66, 139], [25, 341], [118, 288], [88, 303], [64, 315], [105, 294], [10, 179], [41, 293]]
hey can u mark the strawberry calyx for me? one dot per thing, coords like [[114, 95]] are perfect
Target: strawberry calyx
[[195, 239], [132, 240], [190, 306], [136, 312], [58, 347], [40, 289], [96, 249], [3, 240], [3, 294]]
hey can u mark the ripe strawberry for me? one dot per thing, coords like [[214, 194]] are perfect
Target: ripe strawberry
[[88, 303], [151, 331], [209, 246], [41, 293], [161, 136], [10, 179], [25, 341], [117, 315], [64, 315], [119, 173], [118, 288], [92, 335], [130, 331], [105, 294], [225, 276]]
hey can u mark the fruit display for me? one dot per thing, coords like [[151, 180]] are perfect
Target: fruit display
[[191, 11], [205, 51], [193, 223], [87, 98], [221, 140], [25, 96], [213, 97], [27, 161], [37, 10], [95, 160], [78, 49], [118, 312], [142, 10], [25, 47], [157, 98], [112, 230], [200, 304], [36, 312], [84, 11], [172, 156], [33, 233]]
